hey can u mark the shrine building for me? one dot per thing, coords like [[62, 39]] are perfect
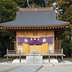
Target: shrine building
[[36, 29]]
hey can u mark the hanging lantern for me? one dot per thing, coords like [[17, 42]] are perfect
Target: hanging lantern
[[38, 39], [31, 39], [34, 38]]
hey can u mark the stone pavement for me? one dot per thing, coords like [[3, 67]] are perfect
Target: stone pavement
[[30, 68]]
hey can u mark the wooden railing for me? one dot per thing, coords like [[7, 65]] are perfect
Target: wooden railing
[[50, 51], [56, 51], [13, 51]]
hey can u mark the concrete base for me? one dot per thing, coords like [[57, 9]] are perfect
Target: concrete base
[[51, 61], [33, 59], [67, 62], [17, 61]]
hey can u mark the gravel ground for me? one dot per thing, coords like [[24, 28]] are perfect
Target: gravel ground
[[60, 68], [6, 68], [65, 68]]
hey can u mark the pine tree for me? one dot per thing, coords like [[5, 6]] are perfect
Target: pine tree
[[8, 10]]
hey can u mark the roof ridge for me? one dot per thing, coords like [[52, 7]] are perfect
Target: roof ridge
[[36, 9]]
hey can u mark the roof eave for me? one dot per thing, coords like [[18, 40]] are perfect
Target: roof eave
[[59, 25]]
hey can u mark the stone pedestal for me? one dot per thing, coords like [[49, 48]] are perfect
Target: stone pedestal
[[34, 59]]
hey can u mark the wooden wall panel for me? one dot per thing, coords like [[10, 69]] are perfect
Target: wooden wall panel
[[14, 45], [51, 48], [57, 44], [40, 33], [29, 33], [45, 48], [35, 33], [20, 33], [35, 48], [25, 48], [50, 33], [20, 47]]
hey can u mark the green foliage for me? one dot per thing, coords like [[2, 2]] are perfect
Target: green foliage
[[70, 26], [66, 41], [8, 10], [21, 3], [5, 41], [0, 53], [66, 6], [37, 3], [36, 6], [66, 45], [49, 3]]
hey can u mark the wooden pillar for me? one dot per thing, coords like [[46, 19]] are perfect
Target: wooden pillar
[[62, 55], [20, 58], [7, 51], [7, 58], [49, 58], [33, 59], [7, 55], [62, 51], [20, 55], [56, 57], [62, 58]]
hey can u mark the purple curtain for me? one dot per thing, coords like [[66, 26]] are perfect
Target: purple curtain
[[37, 41]]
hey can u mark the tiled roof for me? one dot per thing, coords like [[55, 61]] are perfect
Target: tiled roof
[[34, 18]]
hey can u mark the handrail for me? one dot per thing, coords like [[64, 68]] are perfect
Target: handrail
[[56, 51], [13, 51], [60, 51]]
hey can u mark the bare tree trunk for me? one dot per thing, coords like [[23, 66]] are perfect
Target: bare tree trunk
[[33, 5], [28, 4]]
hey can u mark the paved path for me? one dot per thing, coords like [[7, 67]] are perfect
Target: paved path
[[6, 68], [31, 68], [62, 68]]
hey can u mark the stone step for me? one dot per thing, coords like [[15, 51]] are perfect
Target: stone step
[[34, 59]]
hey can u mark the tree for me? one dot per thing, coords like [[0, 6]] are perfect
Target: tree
[[66, 42], [65, 15], [41, 3], [21, 3], [5, 41], [30, 3], [8, 10], [50, 3]]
